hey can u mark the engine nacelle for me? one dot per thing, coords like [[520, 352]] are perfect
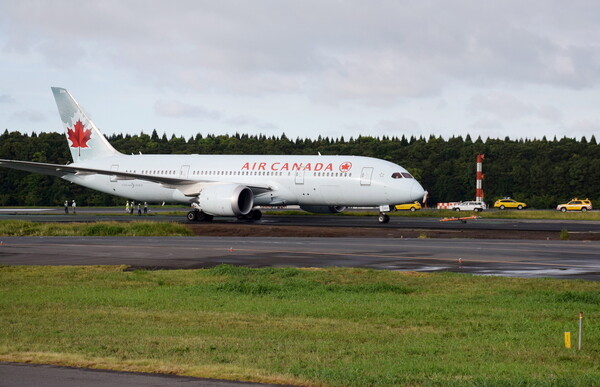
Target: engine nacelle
[[226, 200], [324, 209]]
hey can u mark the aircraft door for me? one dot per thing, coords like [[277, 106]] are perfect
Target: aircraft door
[[299, 177], [113, 178], [183, 172], [365, 176]]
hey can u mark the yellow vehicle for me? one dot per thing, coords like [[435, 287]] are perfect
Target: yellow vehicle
[[509, 203], [575, 205], [409, 206]]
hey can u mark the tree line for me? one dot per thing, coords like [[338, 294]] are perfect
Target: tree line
[[540, 172]]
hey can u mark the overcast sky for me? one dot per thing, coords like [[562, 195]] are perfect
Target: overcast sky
[[522, 69]]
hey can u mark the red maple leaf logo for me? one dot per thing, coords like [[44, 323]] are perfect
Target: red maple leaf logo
[[345, 167], [79, 135]]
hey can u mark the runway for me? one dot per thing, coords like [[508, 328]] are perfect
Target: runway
[[515, 258], [94, 214]]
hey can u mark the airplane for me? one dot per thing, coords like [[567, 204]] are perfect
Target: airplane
[[224, 185]]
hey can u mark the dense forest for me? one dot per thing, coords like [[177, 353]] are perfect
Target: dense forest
[[540, 172]]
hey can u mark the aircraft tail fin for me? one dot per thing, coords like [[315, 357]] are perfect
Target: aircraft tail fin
[[86, 142]]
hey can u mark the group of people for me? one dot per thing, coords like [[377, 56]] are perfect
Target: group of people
[[73, 205], [129, 207]]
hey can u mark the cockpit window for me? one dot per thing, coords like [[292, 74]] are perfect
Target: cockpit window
[[396, 175], [407, 175]]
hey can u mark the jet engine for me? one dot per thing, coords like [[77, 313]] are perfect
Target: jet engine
[[324, 209], [226, 200]]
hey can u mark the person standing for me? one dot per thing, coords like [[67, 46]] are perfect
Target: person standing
[[127, 207], [139, 209], [131, 208], [74, 206], [145, 208], [66, 206]]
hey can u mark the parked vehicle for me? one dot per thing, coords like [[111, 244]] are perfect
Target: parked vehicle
[[470, 206], [575, 205], [409, 207], [509, 203]]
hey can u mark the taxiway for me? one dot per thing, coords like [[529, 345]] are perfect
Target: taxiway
[[94, 214], [515, 258]]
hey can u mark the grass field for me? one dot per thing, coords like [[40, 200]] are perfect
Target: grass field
[[141, 228], [336, 327]]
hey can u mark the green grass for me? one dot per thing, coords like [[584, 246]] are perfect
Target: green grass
[[141, 228], [338, 327]]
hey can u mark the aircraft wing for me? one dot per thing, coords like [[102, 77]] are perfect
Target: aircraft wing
[[188, 187]]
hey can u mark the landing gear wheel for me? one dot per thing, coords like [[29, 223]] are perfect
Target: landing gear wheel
[[255, 214], [384, 218], [198, 216]]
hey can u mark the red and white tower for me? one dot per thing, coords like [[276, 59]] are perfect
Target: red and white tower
[[478, 178]]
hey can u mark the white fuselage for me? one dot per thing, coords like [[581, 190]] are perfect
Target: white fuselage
[[302, 180]]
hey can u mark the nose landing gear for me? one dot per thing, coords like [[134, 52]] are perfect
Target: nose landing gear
[[383, 218]]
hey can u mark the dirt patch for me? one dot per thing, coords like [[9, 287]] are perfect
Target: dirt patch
[[247, 229]]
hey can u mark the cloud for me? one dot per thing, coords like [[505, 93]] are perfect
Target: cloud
[[242, 121], [500, 105], [487, 124], [328, 50], [28, 115], [589, 126], [400, 125], [180, 109], [5, 98], [495, 108], [549, 113], [527, 64]]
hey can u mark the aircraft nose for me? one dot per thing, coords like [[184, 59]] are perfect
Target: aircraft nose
[[417, 192]]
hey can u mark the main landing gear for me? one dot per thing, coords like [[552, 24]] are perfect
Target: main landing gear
[[201, 216], [252, 215], [198, 216]]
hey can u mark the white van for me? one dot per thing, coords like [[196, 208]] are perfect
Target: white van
[[470, 206]]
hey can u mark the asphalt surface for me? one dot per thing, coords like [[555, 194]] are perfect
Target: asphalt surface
[[28, 375], [515, 258], [93, 214]]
